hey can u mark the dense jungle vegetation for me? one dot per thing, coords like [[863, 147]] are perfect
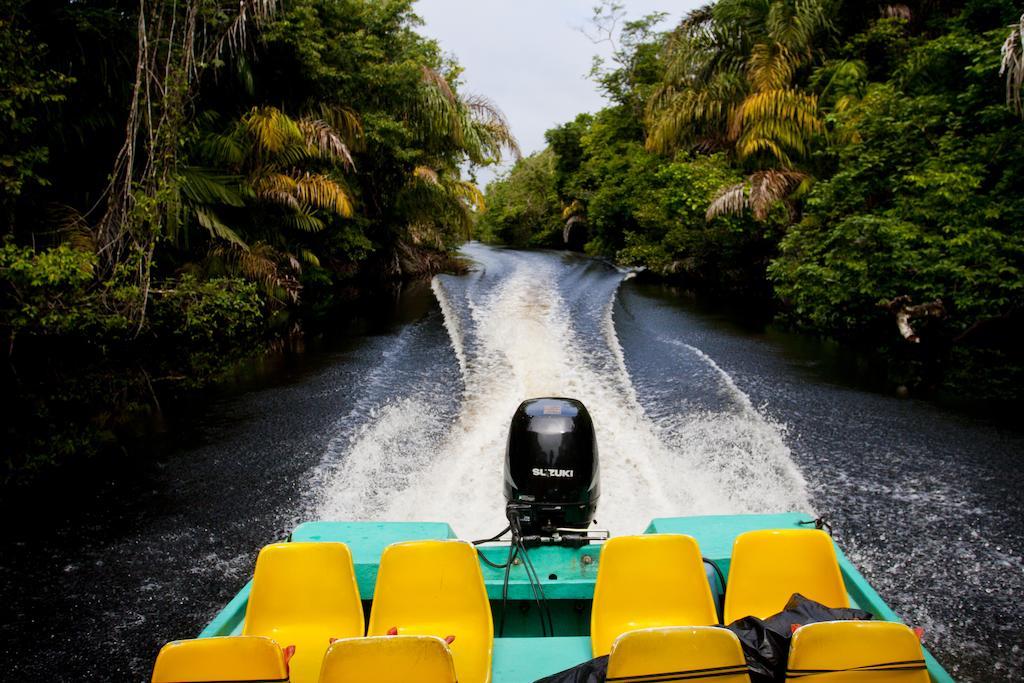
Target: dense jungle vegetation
[[185, 184], [854, 168], [181, 182]]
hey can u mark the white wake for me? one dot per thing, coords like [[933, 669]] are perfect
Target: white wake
[[402, 464]]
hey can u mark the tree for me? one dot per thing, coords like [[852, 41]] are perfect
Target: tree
[[27, 84], [731, 81], [522, 205]]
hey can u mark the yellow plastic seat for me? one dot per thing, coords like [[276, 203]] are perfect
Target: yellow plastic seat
[[678, 653], [234, 658], [304, 594], [768, 566], [856, 652], [388, 659], [436, 588], [648, 581]]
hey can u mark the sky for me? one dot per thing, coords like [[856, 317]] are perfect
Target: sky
[[530, 57]]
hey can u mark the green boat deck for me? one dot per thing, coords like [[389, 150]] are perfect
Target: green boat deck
[[567, 575]]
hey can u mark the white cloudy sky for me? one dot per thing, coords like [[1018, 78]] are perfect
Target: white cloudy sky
[[529, 56]]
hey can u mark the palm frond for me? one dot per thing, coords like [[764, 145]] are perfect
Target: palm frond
[[271, 129], [217, 228], [897, 11], [222, 149], [776, 121], [759, 192], [470, 194], [438, 82], [731, 199], [303, 221], [277, 188], [840, 83], [324, 193], [794, 25], [679, 116], [426, 174], [309, 257], [771, 66], [207, 186], [323, 140], [769, 187], [73, 228], [346, 122], [260, 263], [492, 127]]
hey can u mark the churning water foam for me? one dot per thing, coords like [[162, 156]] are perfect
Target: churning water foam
[[514, 338]]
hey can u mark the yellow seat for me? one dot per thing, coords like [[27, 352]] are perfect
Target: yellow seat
[[388, 659], [678, 653], [304, 594], [768, 566], [435, 588], [856, 652], [646, 581], [234, 658]]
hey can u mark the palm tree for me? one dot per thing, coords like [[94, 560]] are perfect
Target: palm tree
[[268, 178], [729, 83], [436, 199]]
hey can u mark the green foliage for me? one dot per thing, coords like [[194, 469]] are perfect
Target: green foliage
[[279, 151], [26, 85], [926, 202], [54, 293], [81, 368], [523, 207], [213, 322], [878, 152]]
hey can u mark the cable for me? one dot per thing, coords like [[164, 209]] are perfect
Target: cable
[[496, 537], [517, 540], [531, 573], [512, 550], [492, 564], [819, 523], [546, 607]]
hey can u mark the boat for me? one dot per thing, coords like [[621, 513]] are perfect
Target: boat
[[409, 601]]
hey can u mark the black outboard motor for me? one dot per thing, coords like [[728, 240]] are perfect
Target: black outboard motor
[[551, 470]]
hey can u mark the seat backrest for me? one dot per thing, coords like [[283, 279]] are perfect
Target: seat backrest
[[436, 588], [856, 652], [388, 659], [232, 658], [769, 566], [304, 594], [647, 581], [678, 653]]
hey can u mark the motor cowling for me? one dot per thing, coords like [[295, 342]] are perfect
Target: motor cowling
[[551, 466]]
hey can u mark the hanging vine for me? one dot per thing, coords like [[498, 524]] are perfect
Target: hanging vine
[[177, 41]]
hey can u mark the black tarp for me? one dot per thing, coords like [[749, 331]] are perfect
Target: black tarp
[[765, 642]]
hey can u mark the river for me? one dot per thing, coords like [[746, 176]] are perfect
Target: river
[[406, 420]]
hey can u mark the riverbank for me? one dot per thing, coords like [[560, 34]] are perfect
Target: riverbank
[[972, 379], [867, 191], [76, 399], [160, 226]]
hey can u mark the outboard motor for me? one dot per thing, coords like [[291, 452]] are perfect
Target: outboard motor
[[551, 471]]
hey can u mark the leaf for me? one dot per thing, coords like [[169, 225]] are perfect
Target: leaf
[[209, 220]]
